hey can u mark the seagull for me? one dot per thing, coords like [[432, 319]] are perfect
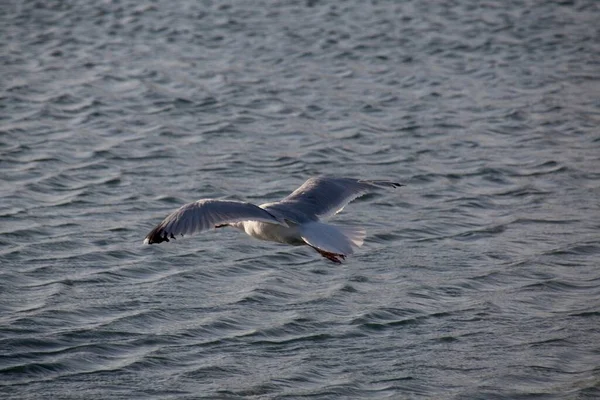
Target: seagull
[[295, 220]]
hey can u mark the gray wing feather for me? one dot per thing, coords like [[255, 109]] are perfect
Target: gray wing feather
[[323, 196], [205, 214]]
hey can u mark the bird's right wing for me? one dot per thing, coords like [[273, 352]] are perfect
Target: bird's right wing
[[205, 214], [324, 196]]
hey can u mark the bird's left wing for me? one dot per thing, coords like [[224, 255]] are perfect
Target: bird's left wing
[[205, 214]]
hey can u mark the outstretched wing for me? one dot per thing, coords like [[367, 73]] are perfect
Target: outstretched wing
[[323, 196], [205, 214]]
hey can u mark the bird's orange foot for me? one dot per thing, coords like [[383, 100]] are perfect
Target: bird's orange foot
[[331, 256]]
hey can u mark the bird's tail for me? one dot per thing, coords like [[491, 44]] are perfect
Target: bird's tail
[[331, 238]]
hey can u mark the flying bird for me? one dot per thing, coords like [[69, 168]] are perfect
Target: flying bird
[[295, 220]]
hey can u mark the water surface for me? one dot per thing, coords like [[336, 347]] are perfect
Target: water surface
[[478, 280]]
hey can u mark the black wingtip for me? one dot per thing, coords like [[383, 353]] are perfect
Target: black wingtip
[[157, 235], [384, 183], [394, 184]]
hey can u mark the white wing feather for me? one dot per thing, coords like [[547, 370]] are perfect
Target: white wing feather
[[205, 214], [323, 196]]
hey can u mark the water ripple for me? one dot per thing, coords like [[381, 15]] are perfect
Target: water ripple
[[478, 279]]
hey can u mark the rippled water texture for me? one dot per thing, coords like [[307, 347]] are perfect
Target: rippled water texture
[[479, 280]]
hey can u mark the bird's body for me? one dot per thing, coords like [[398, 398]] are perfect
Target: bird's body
[[295, 220], [271, 232]]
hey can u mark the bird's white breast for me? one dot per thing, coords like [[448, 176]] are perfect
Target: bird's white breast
[[274, 233]]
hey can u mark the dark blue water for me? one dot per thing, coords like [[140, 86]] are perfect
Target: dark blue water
[[478, 280]]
